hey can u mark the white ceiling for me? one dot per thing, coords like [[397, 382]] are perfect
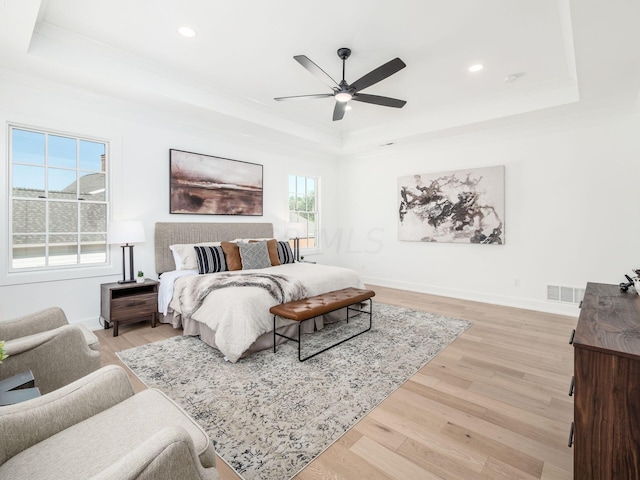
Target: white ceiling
[[563, 52]]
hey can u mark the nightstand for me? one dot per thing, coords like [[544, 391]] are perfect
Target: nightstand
[[122, 303]]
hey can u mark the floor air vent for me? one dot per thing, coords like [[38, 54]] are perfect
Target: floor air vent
[[560, 293]]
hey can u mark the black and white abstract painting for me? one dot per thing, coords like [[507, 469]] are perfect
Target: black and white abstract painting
[[462, 206]]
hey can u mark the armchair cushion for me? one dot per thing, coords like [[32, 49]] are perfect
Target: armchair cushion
[[75, 432], [42, 321], [167, 455], [25, 424], [38, 322], [57, 353], [56, 357], [90, 338]]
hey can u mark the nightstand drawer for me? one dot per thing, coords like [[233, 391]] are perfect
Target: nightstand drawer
[[134, 305]]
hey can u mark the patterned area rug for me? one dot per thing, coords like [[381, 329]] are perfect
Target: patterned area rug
[[270, 415]]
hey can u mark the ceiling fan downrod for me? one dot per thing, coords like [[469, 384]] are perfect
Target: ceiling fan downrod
[[344, 53], [343, 94]]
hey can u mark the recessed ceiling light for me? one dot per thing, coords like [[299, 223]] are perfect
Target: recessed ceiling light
[[187, 32], [476, 68]]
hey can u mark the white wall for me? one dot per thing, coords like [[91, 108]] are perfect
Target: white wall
[[572, 211], [140, 140]]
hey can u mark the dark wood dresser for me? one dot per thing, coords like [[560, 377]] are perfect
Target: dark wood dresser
[[607, 385]]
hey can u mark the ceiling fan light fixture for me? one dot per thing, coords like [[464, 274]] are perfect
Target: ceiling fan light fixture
[[343, 96]]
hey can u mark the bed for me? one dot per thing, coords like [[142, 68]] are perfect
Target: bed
[[230, 310]]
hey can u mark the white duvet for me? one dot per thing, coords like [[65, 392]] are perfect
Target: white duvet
[[239, 315]]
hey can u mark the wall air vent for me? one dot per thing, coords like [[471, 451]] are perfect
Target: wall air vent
[[564, 294]]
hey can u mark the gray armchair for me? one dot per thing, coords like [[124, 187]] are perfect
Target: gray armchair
[[57, 353], [97, 428]]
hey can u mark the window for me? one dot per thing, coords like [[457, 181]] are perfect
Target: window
[[58, 200], [303, 210]]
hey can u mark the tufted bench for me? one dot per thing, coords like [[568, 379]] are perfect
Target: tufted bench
[[308, 308]]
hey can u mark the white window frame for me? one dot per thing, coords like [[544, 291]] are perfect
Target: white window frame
[[309, 230], [49, 267]]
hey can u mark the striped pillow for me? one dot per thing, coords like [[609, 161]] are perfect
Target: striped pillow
[[285, 255], [210, 259]]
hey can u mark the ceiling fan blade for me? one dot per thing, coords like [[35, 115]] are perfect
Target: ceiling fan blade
[[305, 97], [380, 73], [378, 100], [338, 111], [316, 70]]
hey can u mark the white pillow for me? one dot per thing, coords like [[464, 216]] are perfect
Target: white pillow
[[252, 239], [184, 255]]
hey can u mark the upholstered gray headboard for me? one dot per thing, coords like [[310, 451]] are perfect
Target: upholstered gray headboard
[[170, 233]]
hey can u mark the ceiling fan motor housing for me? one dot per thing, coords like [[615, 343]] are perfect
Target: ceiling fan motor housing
[[344, 53]]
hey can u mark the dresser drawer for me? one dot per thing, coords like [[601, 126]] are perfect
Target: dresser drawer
[[134, 305]]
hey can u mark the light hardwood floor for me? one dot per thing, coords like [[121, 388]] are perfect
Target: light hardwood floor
[[492, 405]]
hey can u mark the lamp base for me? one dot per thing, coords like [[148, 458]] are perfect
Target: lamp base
[[130, 279]]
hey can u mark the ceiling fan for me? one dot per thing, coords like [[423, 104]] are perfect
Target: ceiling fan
[[343, 92]]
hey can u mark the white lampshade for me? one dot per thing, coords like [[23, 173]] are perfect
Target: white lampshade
[[126, 231], [295, 230]]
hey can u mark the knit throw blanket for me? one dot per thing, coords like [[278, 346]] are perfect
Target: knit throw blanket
[[195, 289]]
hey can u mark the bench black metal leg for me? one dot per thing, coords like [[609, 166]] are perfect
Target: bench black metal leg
[[299, 340]]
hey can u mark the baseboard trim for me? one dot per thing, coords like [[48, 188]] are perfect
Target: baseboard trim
[[515, 302], [527, 304], [90, 323]]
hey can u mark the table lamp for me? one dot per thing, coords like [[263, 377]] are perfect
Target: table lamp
[[296, 230], [126, 233]]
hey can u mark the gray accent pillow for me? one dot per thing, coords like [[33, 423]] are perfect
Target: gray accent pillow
[[254, 255]]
